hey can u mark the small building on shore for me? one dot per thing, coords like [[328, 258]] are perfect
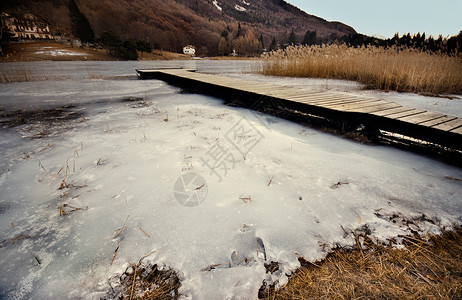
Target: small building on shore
[[189, 50]]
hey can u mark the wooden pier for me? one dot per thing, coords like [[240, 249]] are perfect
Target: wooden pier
[[425, 126]]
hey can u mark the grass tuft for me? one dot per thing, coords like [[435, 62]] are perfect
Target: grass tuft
[[146, 281], [423, 269]]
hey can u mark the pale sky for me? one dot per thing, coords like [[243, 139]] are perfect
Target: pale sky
[[384, 18]]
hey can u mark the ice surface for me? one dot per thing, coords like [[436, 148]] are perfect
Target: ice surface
[[291, 186]]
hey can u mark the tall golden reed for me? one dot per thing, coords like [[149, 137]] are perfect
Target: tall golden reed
[[393, 69], [20, 73]]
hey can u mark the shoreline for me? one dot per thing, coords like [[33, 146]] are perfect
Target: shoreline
[[55, 51]]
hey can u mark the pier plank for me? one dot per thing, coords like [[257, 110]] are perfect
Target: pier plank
[[438, 121], [420, 118], [371, 109], [448, 126], [392, 111], [405, 114]]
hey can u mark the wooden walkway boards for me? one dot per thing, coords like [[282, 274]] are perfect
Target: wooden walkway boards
[[444, 130]]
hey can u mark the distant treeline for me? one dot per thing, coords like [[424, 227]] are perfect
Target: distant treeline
[[123, 49], [451, 45]]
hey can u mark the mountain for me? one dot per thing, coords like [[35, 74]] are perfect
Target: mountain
[[171, 24]]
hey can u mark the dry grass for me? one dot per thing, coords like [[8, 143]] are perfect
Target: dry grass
[[145, 281], [404, 70], [429, 269], [21, 73], [230, 58]]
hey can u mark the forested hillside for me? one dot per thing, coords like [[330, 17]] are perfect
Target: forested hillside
[[244, 25]]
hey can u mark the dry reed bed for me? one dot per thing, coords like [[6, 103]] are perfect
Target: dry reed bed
[[404, 70], [422, 270], [21, 73]]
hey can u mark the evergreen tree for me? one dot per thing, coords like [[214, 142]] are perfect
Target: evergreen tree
[[459, 42], [274, 45], [292, 40], [121, 49], [239, 31], [407, 39], [439, 43], [143, 46], [310, 38], [225, 34], [423, 39], [416, 40], [394, 40], [454, 44], [431, 44], [128, 51], [81, 28], [262, 42], [112, 41]]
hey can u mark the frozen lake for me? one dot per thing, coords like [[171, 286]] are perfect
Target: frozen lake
[[92, 147]]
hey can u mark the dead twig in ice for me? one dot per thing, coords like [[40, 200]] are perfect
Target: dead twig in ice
[[115, 252], [143, 231], [246, 199], [118, 232], [338, 184], [41, 166]]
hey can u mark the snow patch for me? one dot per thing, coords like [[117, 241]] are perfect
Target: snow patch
[[215, 3], [239, 8], [60, 53], [246, 3]]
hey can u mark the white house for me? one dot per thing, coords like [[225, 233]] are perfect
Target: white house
[[189, 50]]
